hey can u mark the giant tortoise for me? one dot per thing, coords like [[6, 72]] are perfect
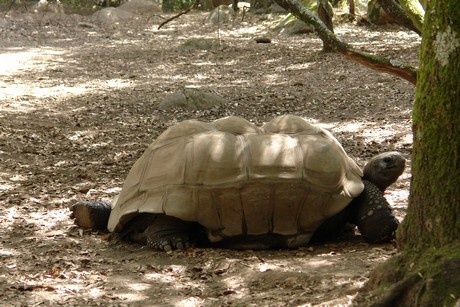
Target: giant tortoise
[[232, 184]]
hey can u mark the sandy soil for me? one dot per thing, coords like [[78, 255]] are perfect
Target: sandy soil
[[79, 104]]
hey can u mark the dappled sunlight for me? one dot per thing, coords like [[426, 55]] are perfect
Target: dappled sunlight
[[6, 252], [300, 66], [139, 286], [380, 132], [5, 186], [159, 277], [95, 292], [297, 264], [348, 127], [19, 94], [116, 83], [20, 61], [190, 302], [80, 107], [132, 297], [234, 275], [371, 132], [273, 78], [43, 220], [48, 219], [364, 37], [398, 197], [244, 30], [23, 96], [14, 62], [9, 216], [25, 92], [12, 182], [207, 63]]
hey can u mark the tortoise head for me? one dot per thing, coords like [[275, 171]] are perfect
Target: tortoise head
[[384, 169]]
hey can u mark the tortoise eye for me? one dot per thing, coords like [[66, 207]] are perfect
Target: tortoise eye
[[387, 159]]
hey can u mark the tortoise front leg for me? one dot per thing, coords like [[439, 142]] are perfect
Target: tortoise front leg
[[168, 233], [159, 232], [373, 216]]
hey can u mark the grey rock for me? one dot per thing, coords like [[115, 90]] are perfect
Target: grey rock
[[111, 15], [192, 98], [292, 26], [140, 7]]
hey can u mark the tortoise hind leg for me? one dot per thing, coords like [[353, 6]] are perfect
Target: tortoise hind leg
[[373, 215], [334, 226], [159, 232], [91, 214]]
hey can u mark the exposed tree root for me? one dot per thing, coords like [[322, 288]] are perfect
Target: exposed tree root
[[396, 291], [429, 278]]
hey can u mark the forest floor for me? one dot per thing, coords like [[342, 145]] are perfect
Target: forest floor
[[79, 105]]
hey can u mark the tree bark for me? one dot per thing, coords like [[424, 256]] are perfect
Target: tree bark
[[415, 11], [325, 13], [429, 237], [434, 205], [351, 8], [392, 8], [375, 62]]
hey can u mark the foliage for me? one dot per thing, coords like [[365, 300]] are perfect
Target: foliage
[[310, 4], [91, 5]]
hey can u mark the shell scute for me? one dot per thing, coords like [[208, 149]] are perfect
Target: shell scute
[[237, 179]]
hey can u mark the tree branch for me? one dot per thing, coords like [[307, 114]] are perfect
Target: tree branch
[[195, 4], [392, 67], [375, 62]]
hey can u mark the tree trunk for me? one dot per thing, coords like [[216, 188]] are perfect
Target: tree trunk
[[351, 9], [433, 216], [427, 271], [415, 11], [325, 13], [392, 8]]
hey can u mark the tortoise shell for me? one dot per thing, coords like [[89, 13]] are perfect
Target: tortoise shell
[[237, 179]]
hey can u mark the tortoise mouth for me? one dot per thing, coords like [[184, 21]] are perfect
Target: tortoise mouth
[[399, 165], [394, 171]]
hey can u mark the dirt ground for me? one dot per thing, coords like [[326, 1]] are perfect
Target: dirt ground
[[79, 104]]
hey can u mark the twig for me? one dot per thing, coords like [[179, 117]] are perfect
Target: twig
[[218, 25], [245, 9], [155, 15], [194, 5]]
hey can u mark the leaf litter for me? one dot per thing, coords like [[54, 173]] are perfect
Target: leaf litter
[[79, 105]]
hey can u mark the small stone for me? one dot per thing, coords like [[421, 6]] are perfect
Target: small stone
[[263, 40]]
